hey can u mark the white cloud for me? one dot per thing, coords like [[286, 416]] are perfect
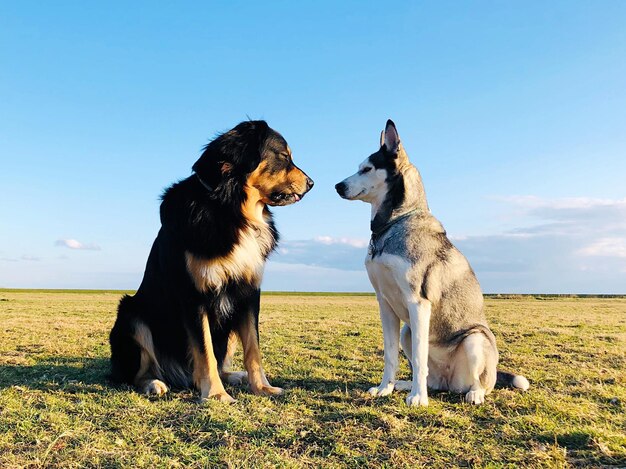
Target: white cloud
[[567, 213], [605, 247], [301, 277], [575, 244], [323, 251], [74, 244], [562, 203], [559, 245], [354, 242], [562, 245]]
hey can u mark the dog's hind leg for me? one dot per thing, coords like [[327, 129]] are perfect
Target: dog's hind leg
[[149, 379], [234, 378], [133, 358], [125, 352], [473, 347], [475, 368], [391, 339]]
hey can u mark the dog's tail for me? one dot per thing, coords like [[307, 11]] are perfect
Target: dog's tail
[[504, 378]]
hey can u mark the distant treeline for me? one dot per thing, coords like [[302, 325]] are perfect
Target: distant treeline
[[518, 296], [495, 296]]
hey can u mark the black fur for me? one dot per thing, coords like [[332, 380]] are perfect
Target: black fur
[[388, 160], [505, 379], [206, 222]]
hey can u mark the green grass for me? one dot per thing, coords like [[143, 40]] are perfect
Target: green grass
[[56, 408]]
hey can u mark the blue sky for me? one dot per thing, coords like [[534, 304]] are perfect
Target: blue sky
[[512, 111]]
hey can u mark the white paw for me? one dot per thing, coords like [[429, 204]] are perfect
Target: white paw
[[403, 385], [475, 397], [382, 390], [155, 387], [218, 396], [268, 391], [415, 400], [236, 378]]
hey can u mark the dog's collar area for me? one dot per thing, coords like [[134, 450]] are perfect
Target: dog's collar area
[[206, 186], [376, 232]]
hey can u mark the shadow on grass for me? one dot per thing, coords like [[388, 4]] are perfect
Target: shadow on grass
[[322, 385], [69, 374], [82, 374], [91, 375], [570, 440]]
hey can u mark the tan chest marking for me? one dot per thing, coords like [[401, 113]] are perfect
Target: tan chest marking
[[245, 261]]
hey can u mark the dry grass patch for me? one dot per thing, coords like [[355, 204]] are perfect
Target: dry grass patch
[[56, 408]]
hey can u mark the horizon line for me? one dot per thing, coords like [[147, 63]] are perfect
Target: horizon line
[[503, 295]]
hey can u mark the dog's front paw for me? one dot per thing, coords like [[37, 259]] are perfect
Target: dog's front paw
[[475, 397], [218, 396], [382, 390], [415, 400], [266, 390]]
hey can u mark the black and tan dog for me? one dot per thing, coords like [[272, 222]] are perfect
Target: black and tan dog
[[201, 287]]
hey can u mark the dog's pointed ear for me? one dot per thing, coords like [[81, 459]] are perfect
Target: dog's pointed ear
[[382, 138], [390, 138]]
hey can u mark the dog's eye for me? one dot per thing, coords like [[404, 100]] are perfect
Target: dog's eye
[[367, 169]]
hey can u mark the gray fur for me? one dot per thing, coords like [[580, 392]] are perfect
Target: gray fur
[[438, 276], [440, 273]]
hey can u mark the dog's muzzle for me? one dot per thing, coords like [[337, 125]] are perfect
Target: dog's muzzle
[[341, 189], [285, 198]]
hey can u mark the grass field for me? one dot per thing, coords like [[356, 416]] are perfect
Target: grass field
[[56, 408]]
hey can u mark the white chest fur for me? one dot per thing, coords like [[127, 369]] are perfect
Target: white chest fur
[[389, 275], [245, 261]]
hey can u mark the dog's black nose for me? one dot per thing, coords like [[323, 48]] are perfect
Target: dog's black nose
[[341, 188], [309, 183]]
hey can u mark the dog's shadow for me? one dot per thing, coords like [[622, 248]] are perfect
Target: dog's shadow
[[70, 374], [92, 375]]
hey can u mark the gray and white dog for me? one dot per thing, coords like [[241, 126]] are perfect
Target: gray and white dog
[[421, 279]]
